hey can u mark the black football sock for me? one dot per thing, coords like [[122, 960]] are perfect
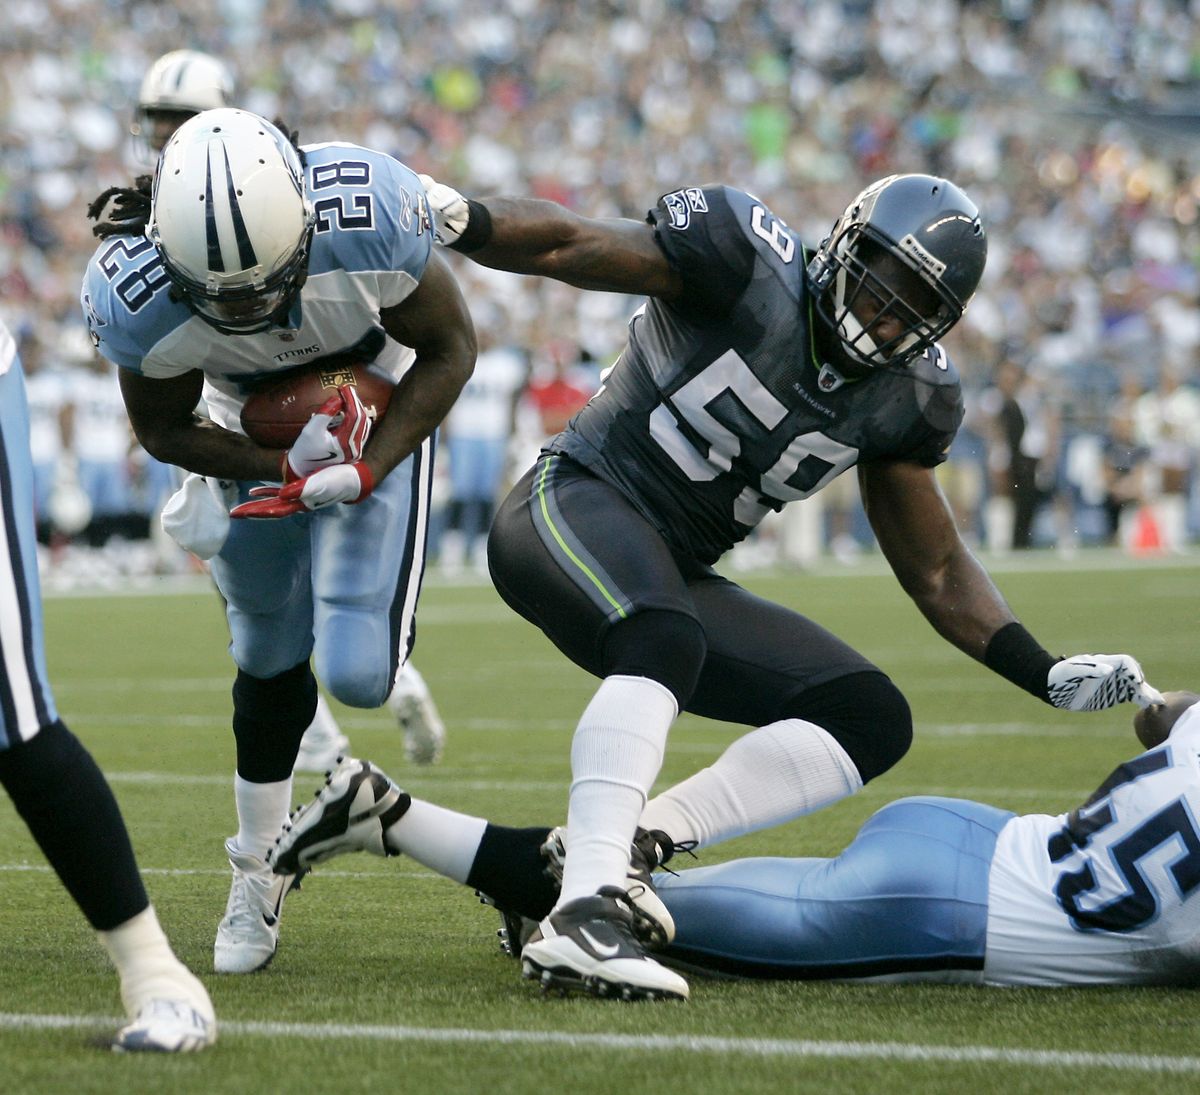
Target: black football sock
[[510, 869], [65, 800], [270, 715]]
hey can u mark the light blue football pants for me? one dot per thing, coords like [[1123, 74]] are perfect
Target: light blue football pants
[[339, 584], [26, 702], [907, 899]]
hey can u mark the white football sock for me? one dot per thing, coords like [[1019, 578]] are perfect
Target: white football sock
[[262, 808], [323, 725], [443, 840], [616, 754], [148, 968], [769, 776]]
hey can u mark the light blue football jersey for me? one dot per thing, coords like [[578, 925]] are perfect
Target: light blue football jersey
[[369, 249]]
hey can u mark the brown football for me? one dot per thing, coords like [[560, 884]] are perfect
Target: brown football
[[276, 412]]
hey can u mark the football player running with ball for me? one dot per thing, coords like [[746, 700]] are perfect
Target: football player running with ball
[[178, 86], [252, 256], [758, 370]]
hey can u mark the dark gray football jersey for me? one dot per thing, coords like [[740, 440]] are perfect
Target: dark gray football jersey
[[715, 412]]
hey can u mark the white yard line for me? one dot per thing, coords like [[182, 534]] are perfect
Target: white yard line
[[747, 1047], [223, 872]]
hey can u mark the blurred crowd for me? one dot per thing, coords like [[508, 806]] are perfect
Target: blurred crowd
[[1072, 124]]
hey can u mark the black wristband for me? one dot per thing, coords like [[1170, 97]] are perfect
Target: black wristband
[[1018, 657], [478, 230]]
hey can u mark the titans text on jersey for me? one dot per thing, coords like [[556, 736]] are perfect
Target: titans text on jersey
[[369, 248]]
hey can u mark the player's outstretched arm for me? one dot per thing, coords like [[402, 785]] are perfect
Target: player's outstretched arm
[[916, 532], [162, 413], [435, 321], [531, 236]]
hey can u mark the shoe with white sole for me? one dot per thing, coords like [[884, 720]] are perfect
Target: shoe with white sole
[[588, 945], [412, 705], [249, 933], [653, 925], [166, 1026], [351, 813]]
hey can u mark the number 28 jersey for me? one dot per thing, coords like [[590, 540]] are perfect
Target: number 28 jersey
[[718, 409], [369, 249], [1111, 891]]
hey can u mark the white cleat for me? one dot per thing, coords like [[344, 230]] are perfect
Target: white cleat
[[351, 813], [412, 705], [166, 1026], [588, 945], [653, 925], [319, 753], [249, 933]]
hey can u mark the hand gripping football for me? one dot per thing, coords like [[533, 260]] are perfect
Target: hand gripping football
[[276, 412]]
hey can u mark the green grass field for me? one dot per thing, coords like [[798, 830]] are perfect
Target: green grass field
[[390, 978]]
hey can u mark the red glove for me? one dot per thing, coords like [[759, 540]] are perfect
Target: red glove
[[350, 483], [335, 434]]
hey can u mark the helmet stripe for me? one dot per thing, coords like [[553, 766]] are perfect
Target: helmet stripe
[[246, 255], [216, 261]]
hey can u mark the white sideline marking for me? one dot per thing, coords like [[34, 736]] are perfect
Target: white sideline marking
[[300, 782], [440, 784], [223, 872], [752, 1047]]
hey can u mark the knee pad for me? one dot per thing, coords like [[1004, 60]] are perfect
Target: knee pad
[[867, 715], [269, 718], [667, 647], [263, 660], [357, 657]]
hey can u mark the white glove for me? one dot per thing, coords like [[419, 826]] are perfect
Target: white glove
[[1094, 682], [450, 210], [342, 483], [334, 434]]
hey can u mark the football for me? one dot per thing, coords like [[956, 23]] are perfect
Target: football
[[276, 412]]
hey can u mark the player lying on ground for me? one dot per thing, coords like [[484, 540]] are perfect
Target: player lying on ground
[[930, 889]]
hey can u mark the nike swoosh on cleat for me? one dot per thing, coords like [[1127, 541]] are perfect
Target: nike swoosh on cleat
[[604, 950]]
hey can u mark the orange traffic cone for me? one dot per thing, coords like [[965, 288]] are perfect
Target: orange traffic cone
[[1146, 539]]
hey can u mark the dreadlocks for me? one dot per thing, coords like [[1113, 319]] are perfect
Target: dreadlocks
[[131, 209], [131, 204]]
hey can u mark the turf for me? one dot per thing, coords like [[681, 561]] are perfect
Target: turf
[[388, 977]]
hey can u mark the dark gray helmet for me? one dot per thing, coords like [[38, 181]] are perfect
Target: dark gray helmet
[[897, 227]]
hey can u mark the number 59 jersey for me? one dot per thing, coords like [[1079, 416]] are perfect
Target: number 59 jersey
[[1111, 891], [718, 410], [369, 249]]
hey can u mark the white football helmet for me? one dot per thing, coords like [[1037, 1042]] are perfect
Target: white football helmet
[[231, 219], [178, 85]]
